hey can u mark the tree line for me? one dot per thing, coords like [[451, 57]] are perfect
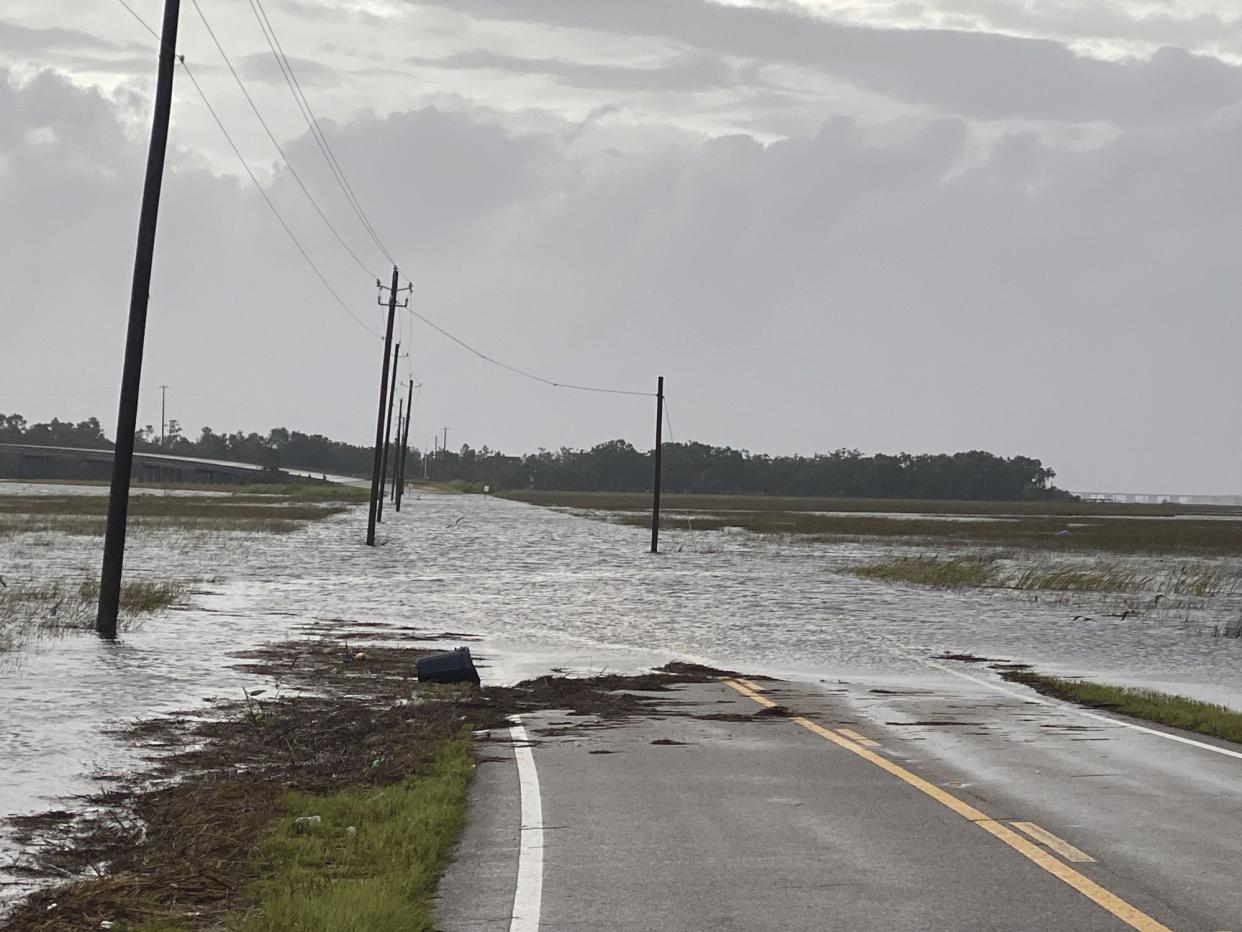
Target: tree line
[[615, 466]]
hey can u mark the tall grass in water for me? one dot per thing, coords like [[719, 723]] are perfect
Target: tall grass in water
[[983, 572], [29, 610], [1077, 579], [961, 573]]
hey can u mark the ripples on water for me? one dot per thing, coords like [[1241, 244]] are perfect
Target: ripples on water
[[537, 580]]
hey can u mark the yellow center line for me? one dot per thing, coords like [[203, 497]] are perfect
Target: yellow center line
[[1059, 845], [861, 739], [1128, 914]]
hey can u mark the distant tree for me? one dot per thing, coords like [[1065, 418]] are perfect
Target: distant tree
[[612, 466]]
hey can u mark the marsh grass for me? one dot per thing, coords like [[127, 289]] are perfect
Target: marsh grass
[[985, 572], [307, 492], [1078, 579], [138, 596], [85, 515], [1203, 718], [1046, 532], [32, 610], [961, 573], [641, 501]]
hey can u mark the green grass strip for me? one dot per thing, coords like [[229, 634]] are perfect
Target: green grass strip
[[378, 878], [1204, 718]]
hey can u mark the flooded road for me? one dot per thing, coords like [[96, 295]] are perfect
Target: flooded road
[[543, 588]]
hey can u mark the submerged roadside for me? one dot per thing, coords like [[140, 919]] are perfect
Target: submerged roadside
[[332, 801]]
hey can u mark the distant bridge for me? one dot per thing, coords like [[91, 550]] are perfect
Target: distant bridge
[[35, 462], [1153, 498]]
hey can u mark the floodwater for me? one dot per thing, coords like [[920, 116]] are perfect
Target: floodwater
[[543, 588]]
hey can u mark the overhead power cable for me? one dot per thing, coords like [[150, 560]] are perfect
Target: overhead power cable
[[267, 200], [279, 149], [312, 123], [262, 192], [522, 372]]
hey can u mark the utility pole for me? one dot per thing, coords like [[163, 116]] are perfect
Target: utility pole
[[396, 463], [655, 505], [379, 507], [135, 339], [379, 420], [163, 417], [405, 444]]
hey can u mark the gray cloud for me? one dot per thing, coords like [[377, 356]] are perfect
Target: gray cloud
[[25, 40], [686, 73], [976, 74], [874, 287], [261, 66]]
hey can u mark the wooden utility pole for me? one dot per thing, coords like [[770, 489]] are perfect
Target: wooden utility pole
[[396, 463], [405, 444], [373, 515], [135, 339], [392, 392], [655, 504]]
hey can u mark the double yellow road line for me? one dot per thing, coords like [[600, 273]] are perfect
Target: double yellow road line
[[851, 742]]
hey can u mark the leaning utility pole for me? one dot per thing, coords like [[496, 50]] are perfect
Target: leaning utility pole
[[131, 374], [405, 444], [659, 447], [392, 392], [379, 420]]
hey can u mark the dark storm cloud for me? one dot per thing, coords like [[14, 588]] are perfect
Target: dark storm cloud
[[685, 73], [975, 74]]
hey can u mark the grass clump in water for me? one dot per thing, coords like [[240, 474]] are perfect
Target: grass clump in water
[[960, 573], [137, 597], [1204, 718], [982, 572], [32, 609], [1077, 579]]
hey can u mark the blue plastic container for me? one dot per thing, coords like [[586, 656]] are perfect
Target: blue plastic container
[[454, 666]]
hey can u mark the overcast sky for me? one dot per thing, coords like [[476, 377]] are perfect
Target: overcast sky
[[921, 225]]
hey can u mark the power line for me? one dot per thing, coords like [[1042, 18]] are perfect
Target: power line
[[270, 135], [312, 123], [522, 372], [267, 200], [317, 132], [262, 193], [142, 22]]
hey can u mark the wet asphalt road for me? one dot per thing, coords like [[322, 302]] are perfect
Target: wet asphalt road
[[1007, 813]]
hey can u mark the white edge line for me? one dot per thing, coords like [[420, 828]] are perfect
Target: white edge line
[[528, 895], [1070, 707]]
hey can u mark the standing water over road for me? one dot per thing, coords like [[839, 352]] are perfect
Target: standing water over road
[[569, 591]]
